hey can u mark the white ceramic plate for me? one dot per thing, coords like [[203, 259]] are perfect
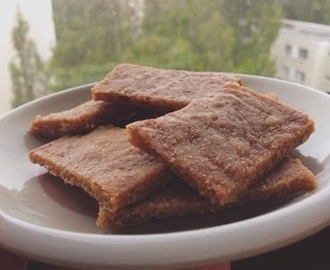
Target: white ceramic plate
[[49, 221]]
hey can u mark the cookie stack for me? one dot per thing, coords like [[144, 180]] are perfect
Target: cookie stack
[[157, 143]]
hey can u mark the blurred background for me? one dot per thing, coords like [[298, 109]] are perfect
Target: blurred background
[[50, 45]]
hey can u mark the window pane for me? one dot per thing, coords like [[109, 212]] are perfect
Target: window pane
[[65, 43]]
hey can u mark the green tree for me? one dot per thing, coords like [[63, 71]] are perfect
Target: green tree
[[190, 34], [29, 76], [256, 26], [91, 37], [316, 11]]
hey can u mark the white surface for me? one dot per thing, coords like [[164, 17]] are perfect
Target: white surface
[[39, 221]]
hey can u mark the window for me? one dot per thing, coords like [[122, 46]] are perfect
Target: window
[[288, 49], [285, 72], [300, 76], [65, 45], [303, 53]]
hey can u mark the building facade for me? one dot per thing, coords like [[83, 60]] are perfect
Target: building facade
[[301, 54]]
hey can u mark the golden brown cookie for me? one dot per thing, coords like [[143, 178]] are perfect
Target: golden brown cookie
[[86, 117], [104, 164], [161, 89]]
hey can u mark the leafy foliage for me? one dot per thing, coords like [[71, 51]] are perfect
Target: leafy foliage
[[256, 24], [232, 36], [91, 37], [94, 35], [316, 11], [29, 75], [183, 34]]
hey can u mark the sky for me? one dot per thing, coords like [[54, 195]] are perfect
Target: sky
[[38, 13]]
